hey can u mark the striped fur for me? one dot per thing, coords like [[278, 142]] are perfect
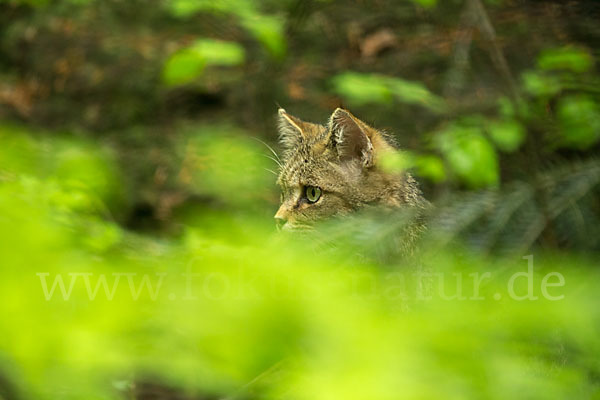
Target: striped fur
[[342, 159]]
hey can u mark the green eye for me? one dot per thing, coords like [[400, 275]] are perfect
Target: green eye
[[313, 193]]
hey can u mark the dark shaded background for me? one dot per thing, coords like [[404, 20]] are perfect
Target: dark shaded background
[[130, 148], [97, 68]]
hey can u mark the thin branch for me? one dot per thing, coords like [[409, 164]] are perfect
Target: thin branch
[[455, 77], [488, 32], [260, 376]]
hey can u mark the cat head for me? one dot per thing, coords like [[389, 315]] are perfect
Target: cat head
[[333, 169]]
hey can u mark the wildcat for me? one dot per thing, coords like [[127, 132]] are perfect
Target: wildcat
[[335, 169]]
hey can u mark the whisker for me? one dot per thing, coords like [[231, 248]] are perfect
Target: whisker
[[268, 147], [271, 171], [271, 158]]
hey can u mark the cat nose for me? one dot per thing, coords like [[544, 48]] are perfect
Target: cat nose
[[279, 222], [280, 217]]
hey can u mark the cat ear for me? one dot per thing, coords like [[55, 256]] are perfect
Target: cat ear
[[349, 138], [292, 130]]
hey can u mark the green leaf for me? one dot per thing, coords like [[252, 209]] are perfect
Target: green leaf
[[182, 67], [268, 30], [579, 120], [415, 93], [431, 167], [539, 84], [218, 52], [569, 58], [506, 107], [188, 64], [470, 155], [396, 162], [507, 135], [426, 3], [361, 89], [187, 8]]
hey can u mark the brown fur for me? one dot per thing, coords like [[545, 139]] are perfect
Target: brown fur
[[342, 158]]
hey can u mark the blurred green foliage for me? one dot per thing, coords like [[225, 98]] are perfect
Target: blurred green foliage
[[222, 160], [579, 119], [189, 63], [469, 153], [508, 135], [470, 156], [135, 149], [567, 58], [361, 88], [263, 316], [267, 29]]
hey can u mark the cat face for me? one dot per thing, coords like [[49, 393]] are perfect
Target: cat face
[[330, 169], [313, 186]]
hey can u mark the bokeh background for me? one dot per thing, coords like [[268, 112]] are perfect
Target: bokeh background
[[136, 136]]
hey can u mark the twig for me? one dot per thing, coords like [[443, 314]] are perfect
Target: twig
[[489, 34], [260, 376], [460, 57]]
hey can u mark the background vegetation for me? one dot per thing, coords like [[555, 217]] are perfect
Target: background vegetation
[[134, 138]]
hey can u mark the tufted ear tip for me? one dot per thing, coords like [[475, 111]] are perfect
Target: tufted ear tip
[[289, 122], [349, 138], [340, 113], [292, 130]]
